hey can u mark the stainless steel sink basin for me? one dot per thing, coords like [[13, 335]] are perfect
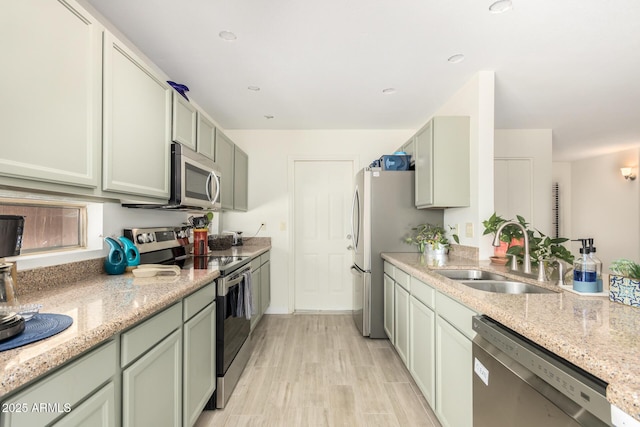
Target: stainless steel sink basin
[[506, 287], [471, 275]]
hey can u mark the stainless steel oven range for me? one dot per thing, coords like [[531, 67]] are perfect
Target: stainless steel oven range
[[170, 245]]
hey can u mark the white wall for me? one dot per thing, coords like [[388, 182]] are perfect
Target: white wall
[[607, 207], [476, 100], [533, 145], [269, 153]]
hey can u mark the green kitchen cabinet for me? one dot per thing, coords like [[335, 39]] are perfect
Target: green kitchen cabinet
[[454, 375], [52, 90], [442, 163], [136, 125], [97, 411], [389, 310], [152, 371], [265, 282], [206, 136], [199, 354], [64, 391], [184, 120], [401, 314], [256, 295], [240, 180], [422, 354], [224, 162]]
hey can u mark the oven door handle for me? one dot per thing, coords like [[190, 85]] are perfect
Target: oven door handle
[[226, 284]]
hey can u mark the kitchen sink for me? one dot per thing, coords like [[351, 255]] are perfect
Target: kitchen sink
[[506, 287], [492, 282], [471, 275]]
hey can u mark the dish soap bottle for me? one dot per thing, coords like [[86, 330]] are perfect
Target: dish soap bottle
[[594, 258], [584, 271]]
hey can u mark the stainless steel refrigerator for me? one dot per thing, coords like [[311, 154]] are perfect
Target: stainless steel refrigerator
[[383, 213]]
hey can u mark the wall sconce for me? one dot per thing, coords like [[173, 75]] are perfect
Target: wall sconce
[[628, 173]]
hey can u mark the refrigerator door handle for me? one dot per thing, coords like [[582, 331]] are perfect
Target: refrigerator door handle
[[355, 220]]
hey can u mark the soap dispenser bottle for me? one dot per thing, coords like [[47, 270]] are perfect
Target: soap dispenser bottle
[[584, 271], [596, 260]]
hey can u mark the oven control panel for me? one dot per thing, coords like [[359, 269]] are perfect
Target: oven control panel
[[154, 239]]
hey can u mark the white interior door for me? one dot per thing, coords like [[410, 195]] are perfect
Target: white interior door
[[322, 210], [513, 188]]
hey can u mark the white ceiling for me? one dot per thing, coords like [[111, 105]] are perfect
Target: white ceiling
[[570, 65]]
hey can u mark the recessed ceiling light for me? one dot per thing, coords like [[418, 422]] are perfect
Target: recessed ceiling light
[[227, 35], [456, 58], [501, 6], [268, 117], [389, 90], [254, 88]]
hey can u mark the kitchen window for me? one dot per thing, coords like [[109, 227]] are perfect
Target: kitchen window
[[49, 226]]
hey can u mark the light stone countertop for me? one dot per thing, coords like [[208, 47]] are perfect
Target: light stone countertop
[[101, 306], [599, 336]]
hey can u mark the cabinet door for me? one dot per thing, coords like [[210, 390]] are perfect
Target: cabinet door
[[454, 380], [265, 286], [422, 356], [152, 386], [240, 180], [401, 299], [224, 161], [256, 282], [183, 123], [389, 320], [206, 140], [199, 363], [97, 411], [50, 117], [137, 125], [424, 166]]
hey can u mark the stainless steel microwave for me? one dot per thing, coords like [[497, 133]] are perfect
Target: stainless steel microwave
[[195, 182]]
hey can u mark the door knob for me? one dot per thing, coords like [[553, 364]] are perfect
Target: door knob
[[348, 236]]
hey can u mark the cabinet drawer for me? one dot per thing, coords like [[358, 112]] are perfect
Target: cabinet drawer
[[423, 292], [456, 314], [197, 301], [402, 278], [66, 386], [265, 257], [255, 263], [144, 336], [390, 269]]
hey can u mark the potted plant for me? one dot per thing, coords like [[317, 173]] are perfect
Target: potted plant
[[543, 248], [429, 236], [624, 283], [510, 236]]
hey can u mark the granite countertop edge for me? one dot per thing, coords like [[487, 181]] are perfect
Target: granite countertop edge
[[590, 351]]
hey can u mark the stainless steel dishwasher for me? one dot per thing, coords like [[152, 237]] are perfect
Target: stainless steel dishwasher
[[518, 383]]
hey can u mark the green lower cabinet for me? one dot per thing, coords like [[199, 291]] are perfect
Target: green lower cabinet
[[389, 322], [401, 317], [97, 411], [422, 354], [256, 280], [152, 386], [199, 363], [265, 286], [454, 404]]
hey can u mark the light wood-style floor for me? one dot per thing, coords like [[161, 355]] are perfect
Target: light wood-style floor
[[316, 370]]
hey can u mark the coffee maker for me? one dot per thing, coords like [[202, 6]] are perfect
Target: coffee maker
[[11, 227]]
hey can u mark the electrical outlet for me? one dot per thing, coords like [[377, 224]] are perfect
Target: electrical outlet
[[283, 226], [469, 229], [263, 226]]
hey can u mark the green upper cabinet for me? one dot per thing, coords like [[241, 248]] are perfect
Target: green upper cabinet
[[442, 163], [224, 161], [206, 136], [52, 89], [137, 125], [184, 119], [240, 180]]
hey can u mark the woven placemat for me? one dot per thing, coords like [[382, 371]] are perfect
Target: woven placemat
[[41, 326]]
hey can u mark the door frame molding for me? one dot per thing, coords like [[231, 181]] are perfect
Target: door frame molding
[[291, 162]]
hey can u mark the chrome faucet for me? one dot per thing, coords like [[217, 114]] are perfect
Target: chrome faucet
[[526, 262]]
